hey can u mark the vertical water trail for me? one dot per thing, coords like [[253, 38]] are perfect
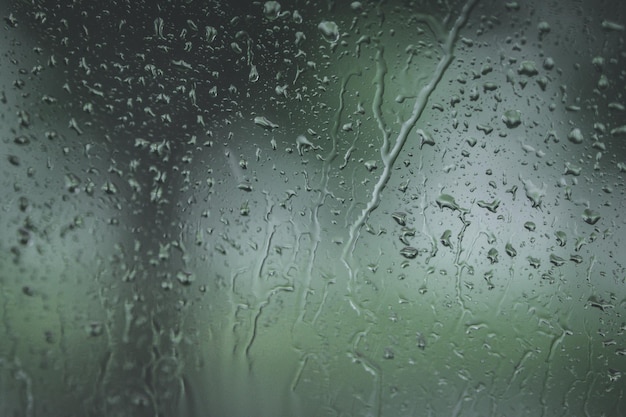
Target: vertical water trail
[[389, 156], [316, 235], [324, 192]]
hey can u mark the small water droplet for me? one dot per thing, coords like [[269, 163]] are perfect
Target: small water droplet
[[388, 354], [421, 341]]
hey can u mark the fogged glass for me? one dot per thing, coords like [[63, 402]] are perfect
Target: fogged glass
[[312, 208]]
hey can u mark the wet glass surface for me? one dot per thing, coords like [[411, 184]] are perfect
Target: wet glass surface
[[312, 208]]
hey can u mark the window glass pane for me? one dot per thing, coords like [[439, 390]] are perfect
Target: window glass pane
[[312, 208]]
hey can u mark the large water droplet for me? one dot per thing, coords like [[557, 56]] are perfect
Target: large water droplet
[[329, 30], [447, 201], [492, 255], [264, 122], [575, 136], [271, 10], [534, 193], [512, 118], [590, 216]]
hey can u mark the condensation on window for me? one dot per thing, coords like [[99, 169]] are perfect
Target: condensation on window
[[312, 208]]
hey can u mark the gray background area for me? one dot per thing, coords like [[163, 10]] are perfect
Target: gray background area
[[313, 208]]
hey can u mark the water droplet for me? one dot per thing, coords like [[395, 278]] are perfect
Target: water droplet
[[489, 86], [399, 217], [445, 238], [245, 186], [371, 165], [73, 124], [543, 28], [591, 217], [388, 354], [271, 10], [409, 252], [185, 278], [95, 329], [619, 131], [603, 82], [329, 30], [492, 255], [571, 169], [614, 374], [297, 17], [612, 26], [447, 201], [405, 234], [512, 118], [265, 123], [11, 20], [72, 183], [425, 138], [109, 188], [303, 143], [210, 33], [576, 258], [510, 250], [356, 6], [528, 68], [534, 262], [534, 193], [575, 136], [254, 74], [530, 226], [300, 38], [486, 129], [244, 210], [488, 276], [556, 260], [158, 27], [421, 341], [492, 207]]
